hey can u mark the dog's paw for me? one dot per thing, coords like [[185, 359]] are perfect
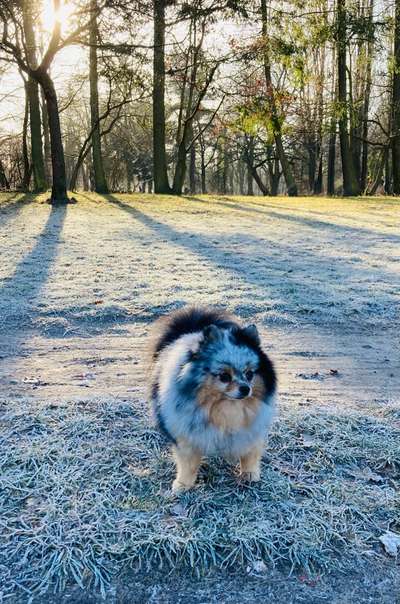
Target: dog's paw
[[254, 476], [179, 487]]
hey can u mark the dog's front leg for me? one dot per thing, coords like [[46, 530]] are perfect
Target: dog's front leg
[[250, 464], [187, 462]]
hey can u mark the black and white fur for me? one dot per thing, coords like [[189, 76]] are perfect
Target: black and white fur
[[187, 346]]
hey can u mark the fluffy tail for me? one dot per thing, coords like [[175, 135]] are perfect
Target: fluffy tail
[[189, 319]]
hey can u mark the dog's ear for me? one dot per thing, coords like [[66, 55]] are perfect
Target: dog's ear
[[252, 332], [212, 333]]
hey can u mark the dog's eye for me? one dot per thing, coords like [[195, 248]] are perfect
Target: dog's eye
[[249, 374], [225, 377]]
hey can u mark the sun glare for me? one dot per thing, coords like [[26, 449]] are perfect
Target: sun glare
[[50, 16]]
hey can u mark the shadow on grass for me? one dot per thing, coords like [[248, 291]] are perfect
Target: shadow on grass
[[271, 277], [23, 287], [11, 207], [309, 222]]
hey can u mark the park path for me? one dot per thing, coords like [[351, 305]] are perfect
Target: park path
[[80, 285]]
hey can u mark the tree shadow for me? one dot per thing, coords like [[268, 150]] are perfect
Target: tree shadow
[[12, 207], [309, 222], [21, 290], [285, 271]]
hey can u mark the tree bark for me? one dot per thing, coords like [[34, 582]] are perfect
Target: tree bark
[[39, 172], [249, 159], [160, 172], [273, 110], [366, 103], [350, 182], [100, 182], [4, 184], [46, 138], [26, 175], [252, 170], [396, 103], [192, 169], [59, 187], [379, 175]]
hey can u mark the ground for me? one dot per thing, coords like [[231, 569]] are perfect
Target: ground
[[85, 478]]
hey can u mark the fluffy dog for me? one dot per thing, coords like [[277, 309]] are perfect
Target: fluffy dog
[[212, 390]]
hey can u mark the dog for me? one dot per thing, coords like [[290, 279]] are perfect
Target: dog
[[212, 390]]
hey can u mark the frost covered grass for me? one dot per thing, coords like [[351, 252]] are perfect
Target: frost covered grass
[[85, 492], [84, 487], [118, 259]]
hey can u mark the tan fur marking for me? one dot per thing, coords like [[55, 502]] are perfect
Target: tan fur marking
[[250, 464], [187, 462], [230, 415]]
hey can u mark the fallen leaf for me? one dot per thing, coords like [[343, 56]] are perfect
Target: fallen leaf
[[179, 510], [391, 543], [308, 580], [259, 566], [310, 376]]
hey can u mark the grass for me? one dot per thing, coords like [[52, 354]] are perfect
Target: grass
[[84, 483], [85, 492]]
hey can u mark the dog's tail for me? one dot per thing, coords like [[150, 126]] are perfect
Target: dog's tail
[[190, 319]]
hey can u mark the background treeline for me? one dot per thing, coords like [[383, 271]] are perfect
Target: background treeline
[[231, 96]]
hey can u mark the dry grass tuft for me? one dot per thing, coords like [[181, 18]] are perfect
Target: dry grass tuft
[[84, 492]]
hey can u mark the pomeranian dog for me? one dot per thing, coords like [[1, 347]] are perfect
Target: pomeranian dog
[[212, 390]]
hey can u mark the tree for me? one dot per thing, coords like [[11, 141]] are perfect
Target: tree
[[16, 48], [273, 109], [396, 102], [100, 183], [160, 171], [39, 172], [350, 182]]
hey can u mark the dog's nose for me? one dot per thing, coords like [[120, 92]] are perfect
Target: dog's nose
[[244, 390]]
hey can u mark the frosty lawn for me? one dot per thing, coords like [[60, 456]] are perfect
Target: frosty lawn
[[84, 477]]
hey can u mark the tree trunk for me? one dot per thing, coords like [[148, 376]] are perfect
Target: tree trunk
[[180, 170], [250, 188], [350, 183], [312, 164], [257, 178], [273, 110], [241, 168], [318, 181], [192, 163], [330, 185], [39, 172], [26, 175], [100, 182], [366, 103], [59, 187], [225, 165], [388, 183], [396, 103], [46, 138], [379, 175], [160, 173], [83, 153], [203, 170], [249, 160], [4, 184]]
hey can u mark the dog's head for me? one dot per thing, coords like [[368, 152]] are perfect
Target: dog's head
[[230, 364], [229, 368]]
